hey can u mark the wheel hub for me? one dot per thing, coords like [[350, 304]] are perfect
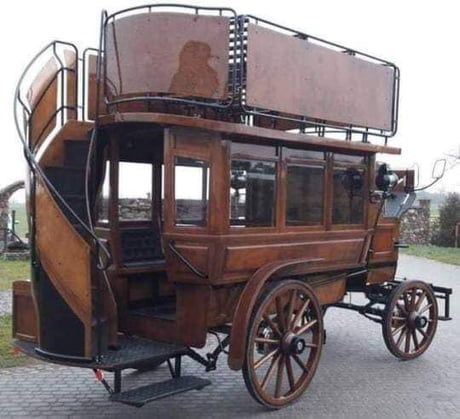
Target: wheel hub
[[293, 344], [414, 320]]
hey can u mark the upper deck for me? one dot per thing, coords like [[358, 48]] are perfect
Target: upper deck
[[210, 68]]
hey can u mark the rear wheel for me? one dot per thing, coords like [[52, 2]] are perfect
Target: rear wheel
[[410, 320], [284, 343]]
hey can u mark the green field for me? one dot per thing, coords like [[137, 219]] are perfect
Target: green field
[[11, 271], [441, 254], [21, 218]]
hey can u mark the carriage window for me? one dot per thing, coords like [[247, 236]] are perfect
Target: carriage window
[[135, 191], [191, 191], [305, 186], [348, 196], [252, 193]]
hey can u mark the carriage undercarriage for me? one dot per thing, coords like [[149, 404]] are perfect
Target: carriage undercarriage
[[274, 371]]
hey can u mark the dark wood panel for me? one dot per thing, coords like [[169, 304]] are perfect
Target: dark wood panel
[[303, 78]]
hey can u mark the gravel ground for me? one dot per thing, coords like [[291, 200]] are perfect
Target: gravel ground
[[357, 377]]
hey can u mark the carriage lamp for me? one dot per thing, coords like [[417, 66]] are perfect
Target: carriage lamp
[[386, 179]]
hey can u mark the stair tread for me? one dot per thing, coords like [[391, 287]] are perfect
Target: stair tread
[[140, 396], [132, 351]]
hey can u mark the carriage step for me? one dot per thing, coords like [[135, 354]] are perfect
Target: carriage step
[[146, 394]]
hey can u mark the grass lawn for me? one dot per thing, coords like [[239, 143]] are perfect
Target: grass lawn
[[8, 358], [441, 254], [11, 271]]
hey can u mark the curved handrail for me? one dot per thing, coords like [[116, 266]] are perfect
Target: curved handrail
[[30, 156]]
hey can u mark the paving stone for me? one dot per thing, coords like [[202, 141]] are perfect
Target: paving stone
[[357, 377]]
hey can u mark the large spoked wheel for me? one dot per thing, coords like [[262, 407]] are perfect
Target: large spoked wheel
[[410, 320], [284, 343]]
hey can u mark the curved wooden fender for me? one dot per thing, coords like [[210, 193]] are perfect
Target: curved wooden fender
[[248, 299]]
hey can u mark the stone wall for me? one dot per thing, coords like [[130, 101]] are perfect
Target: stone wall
[[415, 224], [5, 194]]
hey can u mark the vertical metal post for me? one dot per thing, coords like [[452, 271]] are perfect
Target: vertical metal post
[[13, 222], [177, 366], [117, 381]]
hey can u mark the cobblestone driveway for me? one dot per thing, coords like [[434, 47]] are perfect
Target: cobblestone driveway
[[357, 377]]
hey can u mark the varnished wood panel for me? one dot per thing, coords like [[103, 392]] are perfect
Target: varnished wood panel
[[250, 133], [42, 98], [174, 53], [24, 313], [253, 257], [303, 78], [54, 153], [70, 61], [65, 256]]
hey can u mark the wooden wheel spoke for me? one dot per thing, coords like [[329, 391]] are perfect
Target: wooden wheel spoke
[[422, 332], [306, 327], [413, 296], [401, 308], [272, 325], [300, 363], [291, 310], [415, 339], [300, 313], [407, 344], [399, 318], [267, 340], [290, 372], [279, 377], [420, 300], [406, 303], [265, 358], [280, 314], [401, 336], [427, 307], [396, 331], [270, 371]]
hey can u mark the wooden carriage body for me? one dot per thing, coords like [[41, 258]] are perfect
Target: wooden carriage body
[[254, 143]]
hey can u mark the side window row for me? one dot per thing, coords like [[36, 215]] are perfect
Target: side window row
[[253, 184], [253, 190]]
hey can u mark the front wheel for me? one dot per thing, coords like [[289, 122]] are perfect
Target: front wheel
[[284, 343], [410, 320]]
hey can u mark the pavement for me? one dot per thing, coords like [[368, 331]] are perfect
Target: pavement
[[357, 377]]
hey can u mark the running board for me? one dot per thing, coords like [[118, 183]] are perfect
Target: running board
[[142, 395]]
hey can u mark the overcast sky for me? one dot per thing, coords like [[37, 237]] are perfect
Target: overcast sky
[[420, 37]]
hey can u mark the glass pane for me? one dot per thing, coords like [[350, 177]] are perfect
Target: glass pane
[[252, 193], [349, 158], [135, 191], [305, 191], [294, 153], [348, 196], [103, 204], [191, 191]]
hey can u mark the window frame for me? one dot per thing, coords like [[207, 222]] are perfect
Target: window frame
[[207, 167], [305, 163], [238, 155], [364, 166]]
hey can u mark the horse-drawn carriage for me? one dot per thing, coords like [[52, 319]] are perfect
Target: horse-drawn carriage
[[202, 172]]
